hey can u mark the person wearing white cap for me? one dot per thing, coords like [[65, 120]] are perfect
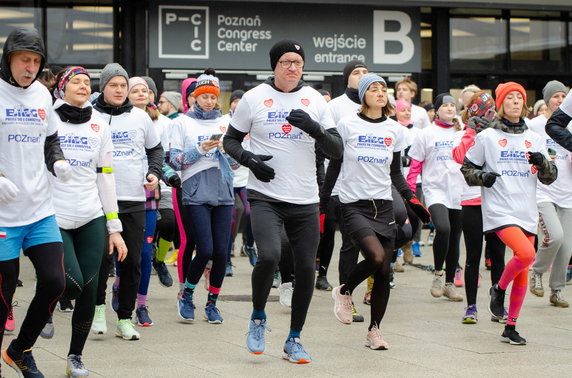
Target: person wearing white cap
[[373, 144]]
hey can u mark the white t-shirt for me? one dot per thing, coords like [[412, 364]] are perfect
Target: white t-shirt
[[368, 153], [442, 180], [84, 145], [262, 112], [512, 198], [131, 133], [163, 128], [188, 132], [559, 192], [467, 192], [419, 117], [25, 122], [340, 107]]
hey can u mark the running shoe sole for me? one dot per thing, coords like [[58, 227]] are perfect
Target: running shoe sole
[[213, 321], [286, 356], [469, 321], [119, 334], [509, 341], [180, 316], [368, 345]]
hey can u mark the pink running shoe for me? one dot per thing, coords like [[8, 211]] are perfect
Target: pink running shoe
[[10, 322], [375, 340], [342, 306], [458, 281]]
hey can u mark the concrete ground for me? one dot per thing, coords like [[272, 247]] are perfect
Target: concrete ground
[[426, 336]]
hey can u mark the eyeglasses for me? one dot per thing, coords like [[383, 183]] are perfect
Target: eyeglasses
[[288, 63]]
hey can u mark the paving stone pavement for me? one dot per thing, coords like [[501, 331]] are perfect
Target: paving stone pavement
[[426, 336]]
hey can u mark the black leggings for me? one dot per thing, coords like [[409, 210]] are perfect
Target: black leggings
[[326, 246], [447, 241], [473, 233], [83, 248], [9, 271], [404, 230], [286, 264], [302, 226], [48, 261], [167, 227]]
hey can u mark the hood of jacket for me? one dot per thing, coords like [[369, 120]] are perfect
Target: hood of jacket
[[21, 39]]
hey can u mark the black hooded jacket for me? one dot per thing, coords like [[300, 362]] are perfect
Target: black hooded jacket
[[21, 39], [29, 39]]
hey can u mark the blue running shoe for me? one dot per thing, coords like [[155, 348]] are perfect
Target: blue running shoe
[[143, 318], [186, 308], [294, 352], [212, 314], [114, 298], [399, 252], [416, 248], [251, 253], [255, 342], [470, 315]]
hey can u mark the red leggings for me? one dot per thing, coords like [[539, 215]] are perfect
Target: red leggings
[[516, 269]]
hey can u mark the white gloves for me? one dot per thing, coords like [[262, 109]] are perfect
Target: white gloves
[[8, 191], [566, 105], [63, 170]]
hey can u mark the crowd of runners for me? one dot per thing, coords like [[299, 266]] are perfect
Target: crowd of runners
[[122, 180]]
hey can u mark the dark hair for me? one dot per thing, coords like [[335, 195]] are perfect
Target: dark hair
[[210, 71]]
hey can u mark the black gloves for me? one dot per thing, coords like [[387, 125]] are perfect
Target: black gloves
[[419, 209], [489, 178], [536, 158], [262, 171], [302, 120], [478, 123], [174, 181]]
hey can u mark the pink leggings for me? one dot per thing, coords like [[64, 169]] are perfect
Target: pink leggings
[[516, 269]]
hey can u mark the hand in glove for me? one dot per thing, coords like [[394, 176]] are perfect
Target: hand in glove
[[536, 159], [489, 178], [419, 209], [478, 123], [304, 122], [261, 171], [63, 170], [8, 191], [174, 181]]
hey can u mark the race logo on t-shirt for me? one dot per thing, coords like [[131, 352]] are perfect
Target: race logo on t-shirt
[[373, 142], [278, 118], [268, 103], [20, 114], [527, 144], [287, 128], [126, 136], [502, 142], [305, 102], [95, 127], [74, 142]]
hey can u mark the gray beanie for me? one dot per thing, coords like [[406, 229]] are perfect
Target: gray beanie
[[551, 88], [367, 80], [537, 106], [174, 98], [110, 71], [151, 84]]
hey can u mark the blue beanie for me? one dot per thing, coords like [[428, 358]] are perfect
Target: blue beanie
[[365, 82]]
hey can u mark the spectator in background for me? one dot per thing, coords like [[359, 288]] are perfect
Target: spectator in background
[[406, 89]]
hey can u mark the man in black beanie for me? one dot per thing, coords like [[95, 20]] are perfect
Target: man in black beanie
[[287, 123]]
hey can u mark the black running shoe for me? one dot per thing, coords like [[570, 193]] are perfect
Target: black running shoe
[[512, 337], [165, 278], [323, 284], [22, 362], [496, 304]]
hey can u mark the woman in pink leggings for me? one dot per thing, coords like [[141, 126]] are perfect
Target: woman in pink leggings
[[507, 160]]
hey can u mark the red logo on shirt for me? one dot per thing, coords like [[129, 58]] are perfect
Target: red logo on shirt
[[502, 142], [305, 102], [287, 128], [222, 129], [268, 103], [527, 144], [388, 141], [95, 127], [42, 114], [533, 169]]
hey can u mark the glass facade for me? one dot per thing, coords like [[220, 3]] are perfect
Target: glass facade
[[13, 17]]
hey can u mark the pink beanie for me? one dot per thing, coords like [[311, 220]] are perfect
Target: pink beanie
[[186, 84]]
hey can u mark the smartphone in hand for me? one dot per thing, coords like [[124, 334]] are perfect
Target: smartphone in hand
[[216, 137]]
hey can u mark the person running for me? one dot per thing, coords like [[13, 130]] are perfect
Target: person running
[[139, 96], [554, 208], [406, 89], [28, 145], [371, 165], [206, 173], [441, 183], [478, 112], [285, 118], [85, 204], [346, 104], [507, 160], [134, 138]]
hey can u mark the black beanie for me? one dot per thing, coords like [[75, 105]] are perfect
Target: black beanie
[[237, 93], [442, 99], [282, 47], [350, 66], [190, 89]]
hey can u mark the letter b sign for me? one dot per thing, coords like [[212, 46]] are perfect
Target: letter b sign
[[401, 37]]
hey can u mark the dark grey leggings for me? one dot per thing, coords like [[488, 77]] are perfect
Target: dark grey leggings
[[447, 241], [301, 223]]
